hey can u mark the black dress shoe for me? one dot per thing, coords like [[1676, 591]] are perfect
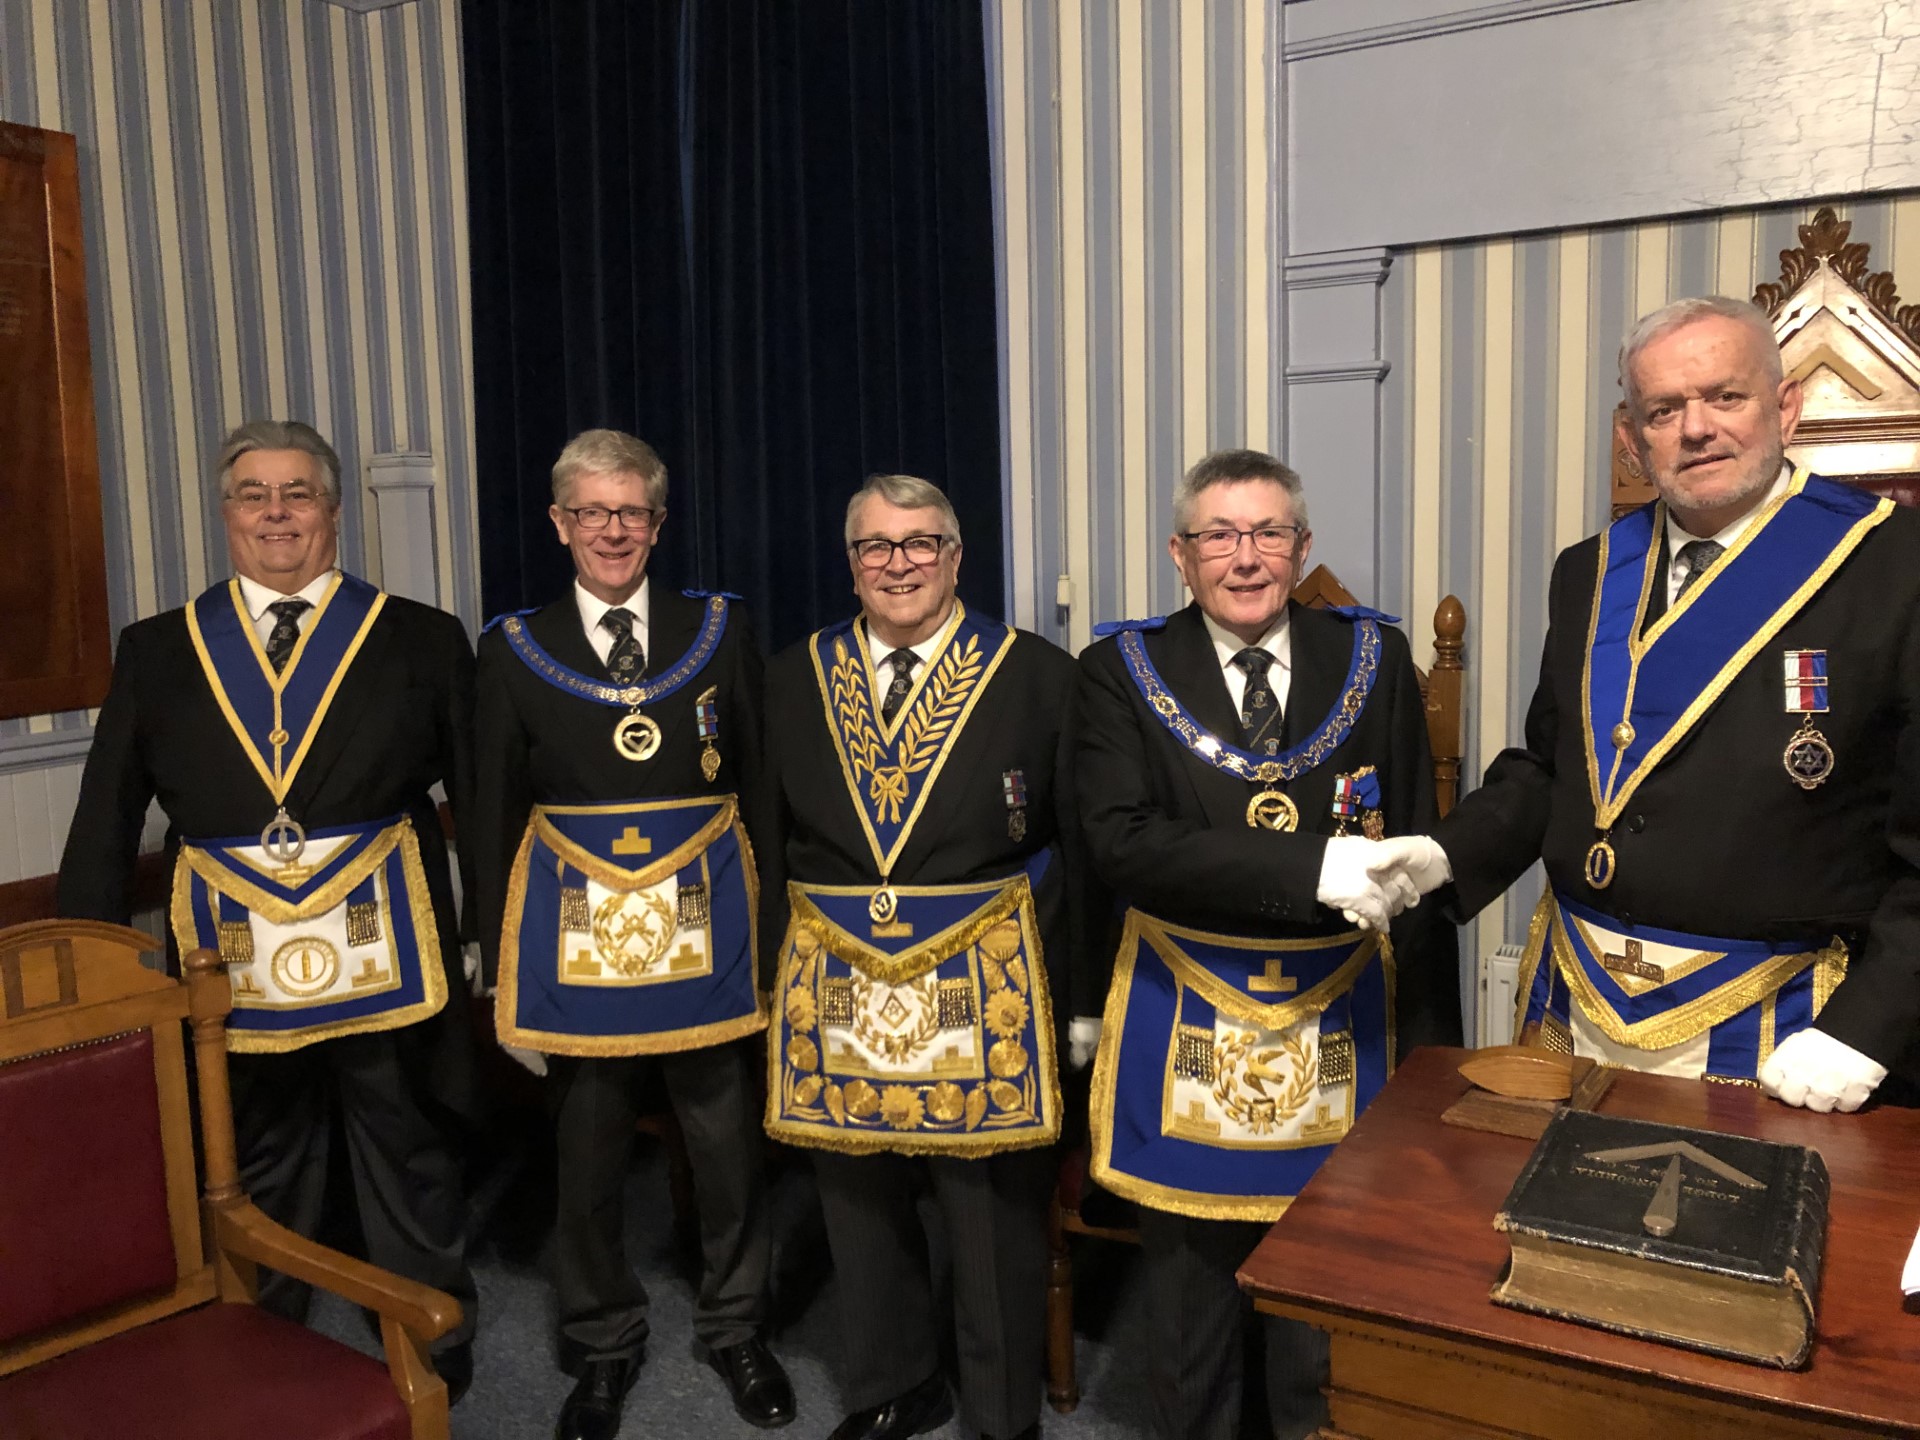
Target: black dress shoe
[[455, 1366], [592, 1411], [927, 1406], [761, 1391]]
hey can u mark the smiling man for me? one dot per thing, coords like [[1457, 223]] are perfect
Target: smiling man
[[1721, 766], [914, 749], [292, 721], [619, 772], [1233, 761]]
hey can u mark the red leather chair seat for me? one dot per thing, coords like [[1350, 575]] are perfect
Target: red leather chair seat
[[221, 1372]]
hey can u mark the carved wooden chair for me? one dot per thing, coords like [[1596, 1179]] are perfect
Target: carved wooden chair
[[1441, 687], [126, 1305]]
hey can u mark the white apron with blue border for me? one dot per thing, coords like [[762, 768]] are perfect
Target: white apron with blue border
[[342, 940], [1230, 1066], [913, 1019], [630, 927], [1667, 1000]]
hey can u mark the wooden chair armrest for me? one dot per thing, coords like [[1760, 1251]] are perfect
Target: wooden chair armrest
[[245, 1230]]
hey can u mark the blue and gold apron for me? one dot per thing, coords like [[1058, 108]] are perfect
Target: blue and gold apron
[[929, 1034], [1229, 1068], [630, 929], [1716, 1008], [912, 1018], [342, 943], [325, 933], [630, 926]]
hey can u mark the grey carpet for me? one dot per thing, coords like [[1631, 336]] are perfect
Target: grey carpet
[[518, 1386]]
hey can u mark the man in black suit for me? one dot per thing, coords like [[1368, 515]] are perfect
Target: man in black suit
[[291, 722], [1728, 807], [914, 749], [1232, 761], [619, 754]]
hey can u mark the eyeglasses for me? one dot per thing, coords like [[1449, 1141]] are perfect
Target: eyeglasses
[[597, 517], [1268, 540], [877, 554], [295, 496]]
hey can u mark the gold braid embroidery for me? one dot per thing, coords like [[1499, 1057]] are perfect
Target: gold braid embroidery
[[955, 675]]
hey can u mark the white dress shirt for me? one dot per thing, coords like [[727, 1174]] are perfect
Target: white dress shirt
[[257, 597], [592, 608], [1676, 537], [1277, 642], [878, 650]]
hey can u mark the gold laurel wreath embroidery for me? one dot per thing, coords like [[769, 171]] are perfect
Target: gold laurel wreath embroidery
[[1264, 1114], [897, 1048], [942, 699]]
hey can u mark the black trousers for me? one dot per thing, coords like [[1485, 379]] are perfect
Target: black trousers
[[1202, 1324], [406, 1177], [603, 1305], [995, 1209]]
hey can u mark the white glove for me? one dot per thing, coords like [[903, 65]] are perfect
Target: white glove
[[470, 966], [1347, 884], [1813, 1069], [1415, 856], [1083, 1038], [531, 1060]]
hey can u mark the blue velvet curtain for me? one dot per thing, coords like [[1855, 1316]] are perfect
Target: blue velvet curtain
[[758, 234]]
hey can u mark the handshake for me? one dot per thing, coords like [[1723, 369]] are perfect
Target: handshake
[[1371, 881]]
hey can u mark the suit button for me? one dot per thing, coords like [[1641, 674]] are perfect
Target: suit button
[[1636, 823]]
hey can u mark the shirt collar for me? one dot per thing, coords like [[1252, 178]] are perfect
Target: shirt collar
[[257, 597], [592, 607], [1277, 642], [1677, 536], [878, 649]]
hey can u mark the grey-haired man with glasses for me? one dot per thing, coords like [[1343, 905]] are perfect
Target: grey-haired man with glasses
[[914, 748], [618, 736]]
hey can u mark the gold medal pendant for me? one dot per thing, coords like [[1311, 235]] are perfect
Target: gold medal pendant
[[636, 737], [709, 763], [1808, 757], [1271, 810], [883, 905], [1600, 863]]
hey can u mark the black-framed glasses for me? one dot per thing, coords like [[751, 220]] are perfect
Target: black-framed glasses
[[877, 553], [1268, 540], [598, 517]]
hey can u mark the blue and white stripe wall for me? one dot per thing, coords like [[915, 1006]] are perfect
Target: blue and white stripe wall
[[274, 205]]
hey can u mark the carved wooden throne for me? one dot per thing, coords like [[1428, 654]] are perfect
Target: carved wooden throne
[[1855, 349]]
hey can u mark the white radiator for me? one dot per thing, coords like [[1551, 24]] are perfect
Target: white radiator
[[1493, 1011]]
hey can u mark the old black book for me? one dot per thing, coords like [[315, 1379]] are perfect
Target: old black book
[[1690, 1237]]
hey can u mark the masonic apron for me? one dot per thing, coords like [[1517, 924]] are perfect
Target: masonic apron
[[326, 932], [912, 1018], [1668, 1001]]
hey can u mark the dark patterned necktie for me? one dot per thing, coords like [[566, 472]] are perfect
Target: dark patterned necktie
[[902, 662], [1698, 556], [625, 658], [1259, 711], [286, 631]]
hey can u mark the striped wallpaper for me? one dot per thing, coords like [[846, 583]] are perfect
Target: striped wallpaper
[[1134, 144], [1496, 447], [274, 204]]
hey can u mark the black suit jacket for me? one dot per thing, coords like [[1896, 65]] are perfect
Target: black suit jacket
[[1718, 840], [1168, 833], [400, 723], [1018, 723], [538, 744]]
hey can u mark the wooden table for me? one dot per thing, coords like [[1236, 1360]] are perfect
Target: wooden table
[[1392, 1249]]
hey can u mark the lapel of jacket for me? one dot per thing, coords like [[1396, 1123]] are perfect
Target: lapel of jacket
[[1322, 647], [1183, 653], [671, 628], [372, 682], [562, 635]]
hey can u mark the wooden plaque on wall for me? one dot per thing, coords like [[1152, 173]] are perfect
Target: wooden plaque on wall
[[56, 649]]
